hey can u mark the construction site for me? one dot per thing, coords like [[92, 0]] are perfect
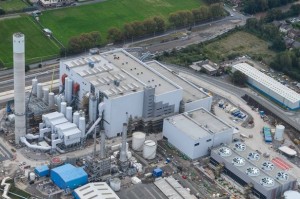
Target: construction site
[[117, 127]]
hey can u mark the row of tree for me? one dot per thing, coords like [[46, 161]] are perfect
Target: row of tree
[[185, 17], [288, 62], [277, 14], [83, 42], [254, 6], [266, 31]]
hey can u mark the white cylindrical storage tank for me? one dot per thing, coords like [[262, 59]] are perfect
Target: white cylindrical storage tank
[[115, 184], [81, 125], [69, 90], [58, 103], [46, 94], [34, 86], [51, 99], [39, 91], [279, 131], [31, 176], [92, 108], [69, 113], [138, 139], [149, 149], [63, 108], [66, 86], [76, 118]]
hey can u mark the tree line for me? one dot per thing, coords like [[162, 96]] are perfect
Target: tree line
[[288, 62], [255, 6], [150, 26], [277, 14]]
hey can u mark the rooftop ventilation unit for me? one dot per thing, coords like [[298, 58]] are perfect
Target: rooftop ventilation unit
[[253, 156], [238, 161], [240, 146], [282, 176], [267, 182], [268, 166], [252, 171], [225, 152]]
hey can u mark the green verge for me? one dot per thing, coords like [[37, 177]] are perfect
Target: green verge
[[12, 5], [72, 21], [37, 46]]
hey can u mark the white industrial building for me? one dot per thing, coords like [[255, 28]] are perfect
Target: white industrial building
[[267, 85], [128, 87], [199, 130], [253, 171], [97, 190]]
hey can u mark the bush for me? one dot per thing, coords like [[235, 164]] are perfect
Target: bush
[[27, 68]]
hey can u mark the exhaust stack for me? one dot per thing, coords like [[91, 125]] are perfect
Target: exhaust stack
[[123, 155], [19, 85]]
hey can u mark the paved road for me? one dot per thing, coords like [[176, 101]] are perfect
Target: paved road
[[292, 118]]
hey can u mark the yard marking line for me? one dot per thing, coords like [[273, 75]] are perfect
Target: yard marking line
[[151, 193], [134, 194]]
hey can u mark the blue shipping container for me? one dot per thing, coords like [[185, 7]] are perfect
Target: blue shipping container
[[157, 172], [68, 176]]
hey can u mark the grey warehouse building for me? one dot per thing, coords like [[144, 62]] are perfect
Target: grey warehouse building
[[247, 167], [199, 130]]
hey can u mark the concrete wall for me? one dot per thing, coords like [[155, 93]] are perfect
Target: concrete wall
[[205, 103], [116, 108], [173, 98]]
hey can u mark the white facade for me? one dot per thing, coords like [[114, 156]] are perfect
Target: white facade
[[130, 88], [269, 86], [193, 129]]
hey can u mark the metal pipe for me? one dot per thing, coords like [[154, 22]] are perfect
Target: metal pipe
[[123, 155]]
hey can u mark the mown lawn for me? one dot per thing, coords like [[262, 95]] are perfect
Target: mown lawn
[[11, 5], [37, 45], [73, 21]]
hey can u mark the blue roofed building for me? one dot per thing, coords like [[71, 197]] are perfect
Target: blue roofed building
[[69, 176], [42, 171]]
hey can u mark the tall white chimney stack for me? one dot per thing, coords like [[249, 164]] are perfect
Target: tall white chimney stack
[[19, 85]]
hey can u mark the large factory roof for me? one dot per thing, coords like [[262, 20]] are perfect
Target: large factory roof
[[96, 190], [198, 123], [172, 189], [268, 82], [118, 73], [190, 91], [250, 161]]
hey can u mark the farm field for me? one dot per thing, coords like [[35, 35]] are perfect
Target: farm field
[[38, 46], [11, 5], [72, 21], [241, 43]]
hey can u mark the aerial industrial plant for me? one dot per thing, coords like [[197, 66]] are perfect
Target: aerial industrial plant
[[158, 133]]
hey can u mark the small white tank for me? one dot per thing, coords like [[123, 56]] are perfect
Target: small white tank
[[34, 86], [39, 91], [115, 184], [69, 113], [31, 176], [138, 139], [58, 102], [149, 149], [92, 108], [63, 108], [81, 125], [66, 88], [76, 118], [51, 99], [279, 131], [69, 90], [46, 94]]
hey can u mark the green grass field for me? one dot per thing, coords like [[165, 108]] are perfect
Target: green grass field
[[72, 21], [11, 5], [239, 43], [37, 45]]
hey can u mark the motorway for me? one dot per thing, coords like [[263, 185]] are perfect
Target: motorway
[[292, 118]]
